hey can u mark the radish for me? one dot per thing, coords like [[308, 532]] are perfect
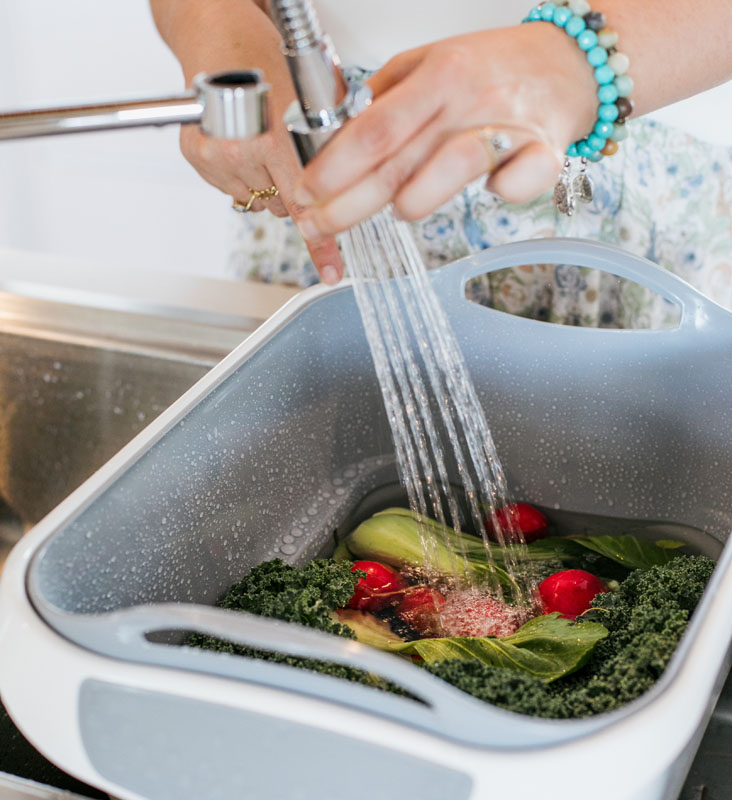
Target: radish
[[378, 589], [570, 592], [519, 518], [420, 608]]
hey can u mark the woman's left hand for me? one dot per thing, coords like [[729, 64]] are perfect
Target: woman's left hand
[[432, 127]]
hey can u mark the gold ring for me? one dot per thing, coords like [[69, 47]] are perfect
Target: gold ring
[[496, 145], [256, 194]]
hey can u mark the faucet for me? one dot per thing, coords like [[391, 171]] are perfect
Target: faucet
[[228, 105], [325, 99]]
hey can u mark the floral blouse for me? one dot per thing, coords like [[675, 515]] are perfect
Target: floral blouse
[[664, 195]]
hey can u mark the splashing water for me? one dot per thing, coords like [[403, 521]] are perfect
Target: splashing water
[[431, 403]]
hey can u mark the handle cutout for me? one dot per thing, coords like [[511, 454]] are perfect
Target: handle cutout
[[566, 294]]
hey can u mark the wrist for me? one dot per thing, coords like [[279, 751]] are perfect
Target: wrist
[[598, 44], [219, 35], [566, 89]]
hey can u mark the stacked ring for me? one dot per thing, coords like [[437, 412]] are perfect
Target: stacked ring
[[610, 66], [256, 194]]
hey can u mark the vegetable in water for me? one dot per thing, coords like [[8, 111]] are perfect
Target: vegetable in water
[[378, 588], [646, 618], [420, 608], [549, 666], [570, 592], [519, 518]]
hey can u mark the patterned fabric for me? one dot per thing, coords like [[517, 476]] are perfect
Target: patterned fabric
[[665, 196]]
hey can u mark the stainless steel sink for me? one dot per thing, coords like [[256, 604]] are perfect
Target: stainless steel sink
[[76, 384]]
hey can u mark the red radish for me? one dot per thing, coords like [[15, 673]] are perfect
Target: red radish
[[376, 590], [420, 608], [522, 518], [570, 592]]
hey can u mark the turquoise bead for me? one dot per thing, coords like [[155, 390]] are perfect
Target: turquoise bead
[[596, 142], [604, 74], [547, 11], [572, 150], [587, 39], [575, 26], [604, 129], [595, 156], [562, 16], [624, 84], [535, 14], [607, 93], [619, 133], [608, 112], [597, 56], [583, 149]]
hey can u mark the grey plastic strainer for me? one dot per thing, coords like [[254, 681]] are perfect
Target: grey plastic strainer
[[269, 454]]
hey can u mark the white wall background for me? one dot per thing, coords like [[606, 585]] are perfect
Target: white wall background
[[129, 199], [123, 199]]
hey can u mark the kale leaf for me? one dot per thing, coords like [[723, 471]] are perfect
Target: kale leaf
[[646, 616], [307, 595]]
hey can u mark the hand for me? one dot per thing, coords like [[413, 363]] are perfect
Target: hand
[[435, 109], [268, 160]]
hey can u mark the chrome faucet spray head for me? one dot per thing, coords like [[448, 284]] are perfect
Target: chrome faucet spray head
[[325, 99]]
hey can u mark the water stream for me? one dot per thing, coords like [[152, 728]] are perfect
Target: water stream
[[435, 416]]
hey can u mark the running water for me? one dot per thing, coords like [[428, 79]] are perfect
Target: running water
[[432, 407]]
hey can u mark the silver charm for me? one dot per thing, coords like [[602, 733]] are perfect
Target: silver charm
[[564, 200], [582, 185]]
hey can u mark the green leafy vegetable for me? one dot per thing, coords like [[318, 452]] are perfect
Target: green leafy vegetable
[[401, 538], [395, 536], [305, 595], [547, 647], [369, 629], [646, 617], [631, 552]]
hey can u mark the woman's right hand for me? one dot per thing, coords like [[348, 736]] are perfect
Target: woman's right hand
[[231, 35]]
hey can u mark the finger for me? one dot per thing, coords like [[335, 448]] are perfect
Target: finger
[[255, 182], [377, 189], [233, 167], [395, 70], [326, 258], [285, 168], [373, 136], [460, 160], [530, 173]]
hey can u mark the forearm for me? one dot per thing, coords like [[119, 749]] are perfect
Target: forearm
[[216, 34], [676, 47]]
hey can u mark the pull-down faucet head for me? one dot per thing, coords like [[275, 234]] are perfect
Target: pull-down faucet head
[[325, 99]]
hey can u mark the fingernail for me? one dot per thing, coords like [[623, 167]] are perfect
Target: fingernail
[[307, 229], [303, 196], [329, 275]]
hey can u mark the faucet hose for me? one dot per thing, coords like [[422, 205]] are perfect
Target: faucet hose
[[297, 23]]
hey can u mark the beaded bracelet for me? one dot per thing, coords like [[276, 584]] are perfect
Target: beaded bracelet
[[610, 70]]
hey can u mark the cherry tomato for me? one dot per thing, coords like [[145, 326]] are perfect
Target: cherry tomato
[[377, 590], [522, 518], [570, 592]]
